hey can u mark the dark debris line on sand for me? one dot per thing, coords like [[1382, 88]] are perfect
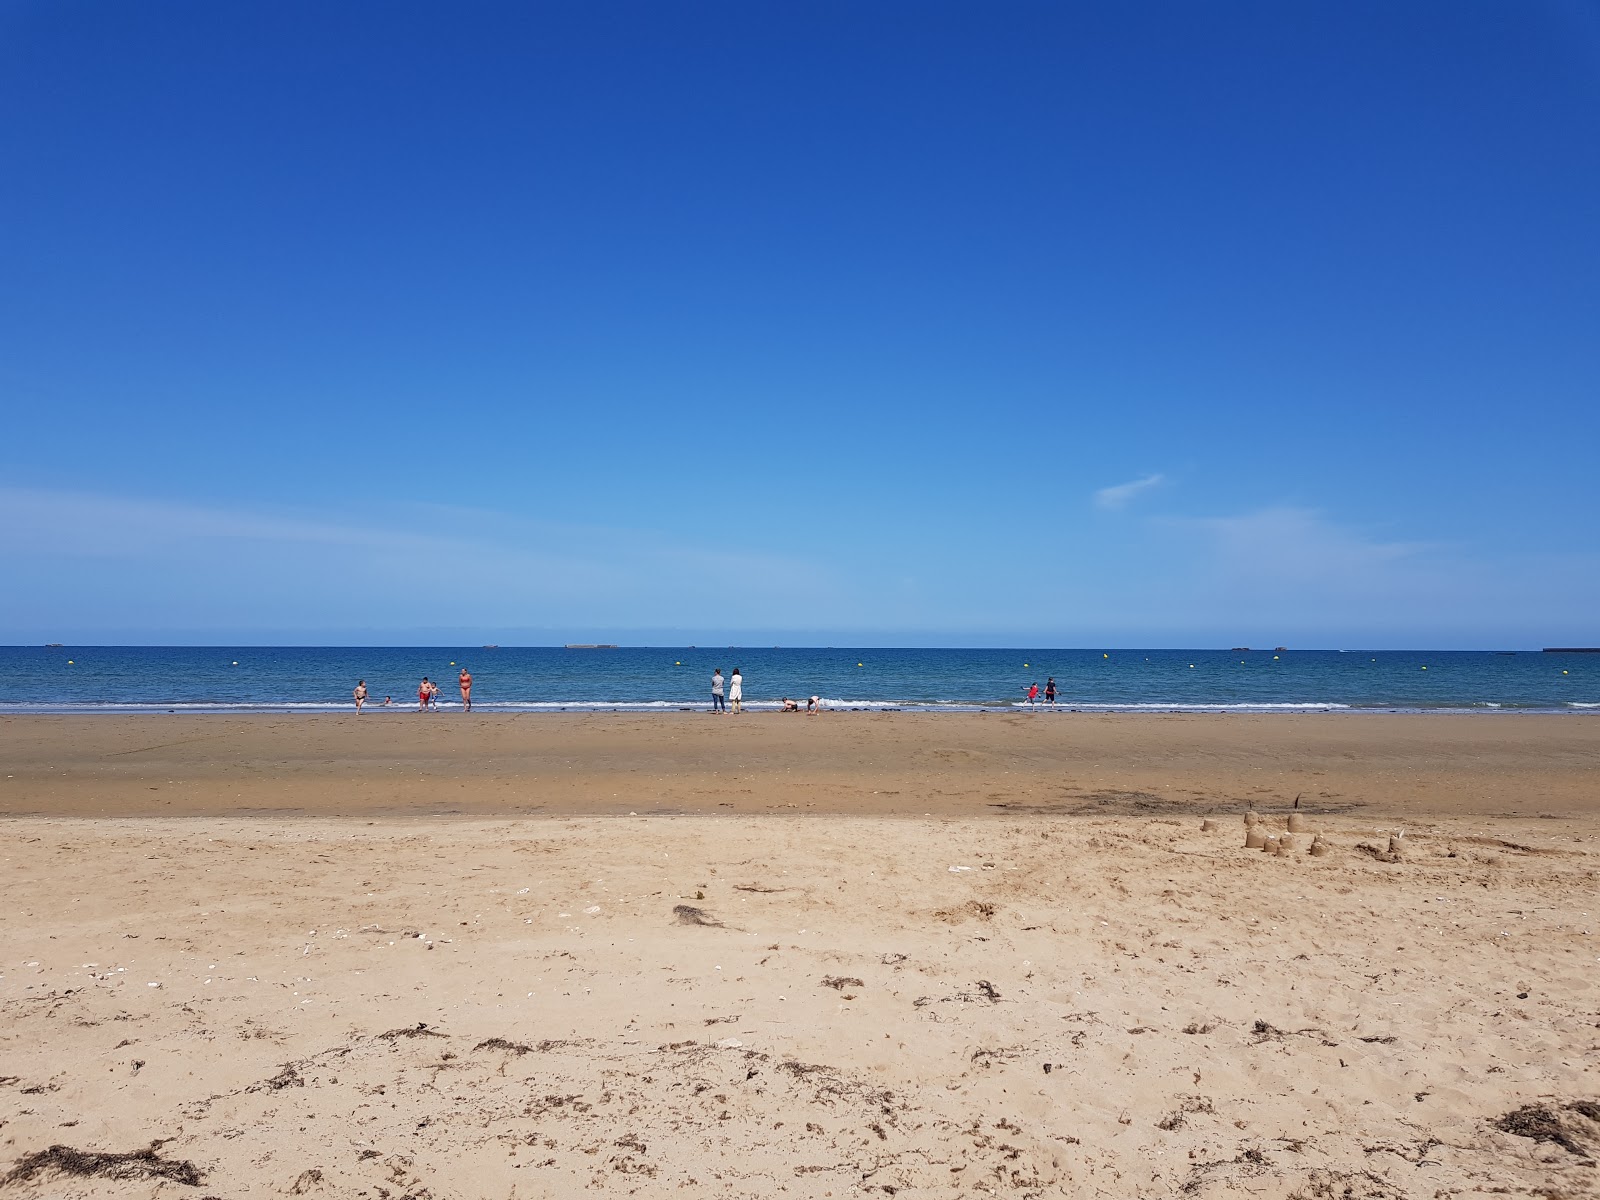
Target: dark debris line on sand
[[1544, 1124], [500, 1043], [688, 914], [136, 1164], [420, 1029]]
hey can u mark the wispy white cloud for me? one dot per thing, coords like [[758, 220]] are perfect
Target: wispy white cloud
[[1118, 495], [79, 562], [1302, 546], [82, 558], [1289, 571]]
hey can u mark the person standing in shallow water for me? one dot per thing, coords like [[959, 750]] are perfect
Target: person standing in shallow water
[[466, 689], [424, 694], [718, 703], [736, 691], [360, 694], [1050, 691]]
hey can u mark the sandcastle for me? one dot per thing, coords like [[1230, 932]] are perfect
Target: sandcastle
[[1258, 837]]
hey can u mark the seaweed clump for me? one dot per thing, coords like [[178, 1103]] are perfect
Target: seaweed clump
[[1542, 1124], [135, 1164]]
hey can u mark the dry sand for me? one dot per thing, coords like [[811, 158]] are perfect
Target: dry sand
[[1053, 984]]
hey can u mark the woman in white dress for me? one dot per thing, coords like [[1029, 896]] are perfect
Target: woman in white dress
[[736, 691]]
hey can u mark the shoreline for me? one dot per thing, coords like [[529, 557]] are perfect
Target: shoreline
[[536, 708]]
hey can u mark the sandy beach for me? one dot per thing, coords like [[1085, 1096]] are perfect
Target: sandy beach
[[905, 764], [437, 956]]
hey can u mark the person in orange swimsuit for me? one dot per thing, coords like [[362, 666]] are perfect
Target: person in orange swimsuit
[[424, 694], [466, 689]]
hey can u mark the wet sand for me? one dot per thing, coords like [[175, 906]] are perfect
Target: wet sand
[[399, 763], [483, 977]]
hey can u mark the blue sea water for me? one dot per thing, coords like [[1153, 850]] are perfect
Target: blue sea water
[[549, 679]]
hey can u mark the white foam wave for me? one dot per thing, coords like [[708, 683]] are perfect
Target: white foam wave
[[1156, 706], [698, 704]]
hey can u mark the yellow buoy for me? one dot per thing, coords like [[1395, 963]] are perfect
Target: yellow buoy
[[1024, 664], [1563, 672], [69, 663], [1191, 666], [858, 664], [1105, 656], [1274, 658], [236, 662], [679, 663], [452, 662], [1424, 668]]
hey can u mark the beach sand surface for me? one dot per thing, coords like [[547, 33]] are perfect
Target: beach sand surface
[[1058, 763], [673, 956]]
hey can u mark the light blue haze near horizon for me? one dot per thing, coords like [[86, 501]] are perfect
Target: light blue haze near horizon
[[891, 324]]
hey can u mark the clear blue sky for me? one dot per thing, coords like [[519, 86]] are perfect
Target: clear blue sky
[[1149, 324]]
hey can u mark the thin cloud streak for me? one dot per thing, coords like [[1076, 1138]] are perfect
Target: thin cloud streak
[[88, 559], [1117, 496], [1295, 572]]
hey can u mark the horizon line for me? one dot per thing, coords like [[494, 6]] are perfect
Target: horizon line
[[593, 647]]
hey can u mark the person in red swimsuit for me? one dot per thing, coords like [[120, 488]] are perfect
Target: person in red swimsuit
[[424, 694], [466, 689]]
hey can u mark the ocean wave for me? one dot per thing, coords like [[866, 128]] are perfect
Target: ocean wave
[[1158, 706], [699, 704], [137, 706], [177, 705]]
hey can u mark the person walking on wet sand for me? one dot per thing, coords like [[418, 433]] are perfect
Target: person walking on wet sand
[[718, 703], [466, 690], [424, 694], [736, 691], [360, 694]]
